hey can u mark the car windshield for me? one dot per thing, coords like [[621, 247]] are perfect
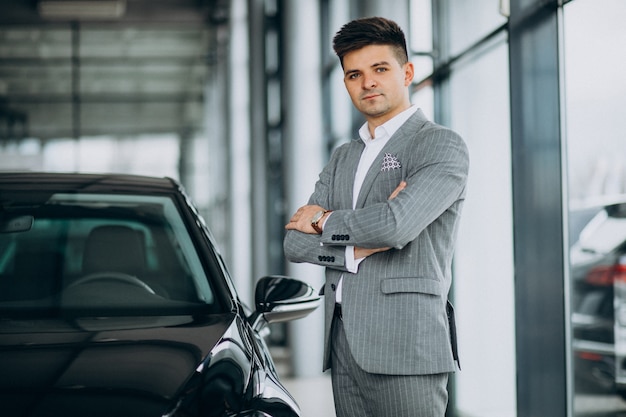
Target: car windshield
[[98, 254]]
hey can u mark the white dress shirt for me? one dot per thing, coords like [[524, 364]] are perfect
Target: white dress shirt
[[373, 146]]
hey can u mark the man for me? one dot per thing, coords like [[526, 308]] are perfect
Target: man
[[382, 220]]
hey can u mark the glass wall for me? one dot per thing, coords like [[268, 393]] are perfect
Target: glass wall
[[486, 16], [595, 99], [474, 101], [139, 96], [483, 267], [463, 81], [90, 84]]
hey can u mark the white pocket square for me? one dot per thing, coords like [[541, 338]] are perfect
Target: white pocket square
[[390, 162]]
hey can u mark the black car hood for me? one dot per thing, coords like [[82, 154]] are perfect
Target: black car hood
[[113, 366]]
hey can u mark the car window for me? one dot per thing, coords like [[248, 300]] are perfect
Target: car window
[[606, 231], [114, 252], [598, 302]]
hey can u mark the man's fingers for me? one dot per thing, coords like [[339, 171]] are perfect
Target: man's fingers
[[399, 188], [364, 253]]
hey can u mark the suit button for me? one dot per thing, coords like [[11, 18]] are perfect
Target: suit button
[[332, 259], [319, 258], [333, 287]]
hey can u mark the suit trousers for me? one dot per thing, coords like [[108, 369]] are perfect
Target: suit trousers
[[361, 394]]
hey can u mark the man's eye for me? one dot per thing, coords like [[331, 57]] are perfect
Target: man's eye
[[381, 69], [352, 76]]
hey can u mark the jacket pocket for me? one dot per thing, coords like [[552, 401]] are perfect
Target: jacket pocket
[[400, 285]]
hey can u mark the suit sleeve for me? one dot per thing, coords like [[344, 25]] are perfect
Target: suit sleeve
[[436, 177], [303, 247]]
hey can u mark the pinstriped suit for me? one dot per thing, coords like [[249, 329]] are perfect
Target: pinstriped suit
[[394, 307]]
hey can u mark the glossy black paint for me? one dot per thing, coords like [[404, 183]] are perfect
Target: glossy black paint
[[179, 363], [101, 366]]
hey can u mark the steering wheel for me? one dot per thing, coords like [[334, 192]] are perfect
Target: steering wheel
[[112, 276]]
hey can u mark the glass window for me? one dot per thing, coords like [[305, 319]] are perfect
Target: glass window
[[421, 37], [424, 99], [595, 97], [160, 154], [423, 67], [62, 82], [483, 285], [341, 107], [470, 21]]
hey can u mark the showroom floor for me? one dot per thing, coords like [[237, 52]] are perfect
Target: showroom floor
[[314, 395]]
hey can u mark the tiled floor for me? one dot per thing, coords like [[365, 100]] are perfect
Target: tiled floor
[[314, 395]]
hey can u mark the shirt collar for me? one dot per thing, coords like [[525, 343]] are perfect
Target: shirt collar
[[388, 128]]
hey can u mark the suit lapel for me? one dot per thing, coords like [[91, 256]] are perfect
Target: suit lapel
[[346, 181], [393, 146], [371, 175]]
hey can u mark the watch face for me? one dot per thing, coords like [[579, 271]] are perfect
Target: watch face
[[317, 217]]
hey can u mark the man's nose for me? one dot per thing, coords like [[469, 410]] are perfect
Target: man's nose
[[369, 82]]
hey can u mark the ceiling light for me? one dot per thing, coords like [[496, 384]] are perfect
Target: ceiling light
[[85, 9]]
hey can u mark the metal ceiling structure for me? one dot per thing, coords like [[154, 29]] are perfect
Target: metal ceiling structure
[[71, 69]]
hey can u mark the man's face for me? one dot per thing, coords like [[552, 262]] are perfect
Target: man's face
[[376, 82]]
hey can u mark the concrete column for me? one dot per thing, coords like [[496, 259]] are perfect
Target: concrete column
[[240, 164], [304, 159], [541, 304]]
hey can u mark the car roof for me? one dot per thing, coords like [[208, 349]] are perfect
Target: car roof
[[87, 182]]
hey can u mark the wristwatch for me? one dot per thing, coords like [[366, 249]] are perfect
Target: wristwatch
[[315, 220]]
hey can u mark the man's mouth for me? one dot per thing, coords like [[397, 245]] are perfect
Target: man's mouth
[[371, 96]]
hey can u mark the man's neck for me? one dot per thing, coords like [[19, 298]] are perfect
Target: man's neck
[[374, 122]]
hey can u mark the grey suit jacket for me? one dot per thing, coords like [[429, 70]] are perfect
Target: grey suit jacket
[[394, 307]]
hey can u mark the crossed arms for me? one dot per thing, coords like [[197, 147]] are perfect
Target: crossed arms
[[301, 221]]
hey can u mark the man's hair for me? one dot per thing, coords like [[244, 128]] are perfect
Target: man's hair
[[366, 31]]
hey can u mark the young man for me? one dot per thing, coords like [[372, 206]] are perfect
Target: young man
[[382, 221]]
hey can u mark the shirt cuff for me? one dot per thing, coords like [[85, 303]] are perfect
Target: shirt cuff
[[352, 265]]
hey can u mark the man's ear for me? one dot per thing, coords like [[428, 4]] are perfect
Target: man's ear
[[409, 73]]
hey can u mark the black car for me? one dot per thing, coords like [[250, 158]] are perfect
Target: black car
[[114, 301], [598, 270]]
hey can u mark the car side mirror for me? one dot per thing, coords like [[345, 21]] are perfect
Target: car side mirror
[[278, 298]]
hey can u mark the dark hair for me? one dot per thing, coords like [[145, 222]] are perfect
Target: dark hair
[[366, 31]]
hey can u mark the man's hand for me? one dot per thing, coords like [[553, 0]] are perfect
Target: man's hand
[[399, 188], [364, 253], [301, 220]]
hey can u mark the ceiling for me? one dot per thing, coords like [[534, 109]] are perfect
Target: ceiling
[[105, 67]]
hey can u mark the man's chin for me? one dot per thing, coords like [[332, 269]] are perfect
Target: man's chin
[[375, 112]]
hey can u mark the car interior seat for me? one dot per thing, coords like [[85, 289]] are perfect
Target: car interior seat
[[115, 248]]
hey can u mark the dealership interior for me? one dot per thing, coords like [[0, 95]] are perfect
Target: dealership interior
[[243, 102]]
